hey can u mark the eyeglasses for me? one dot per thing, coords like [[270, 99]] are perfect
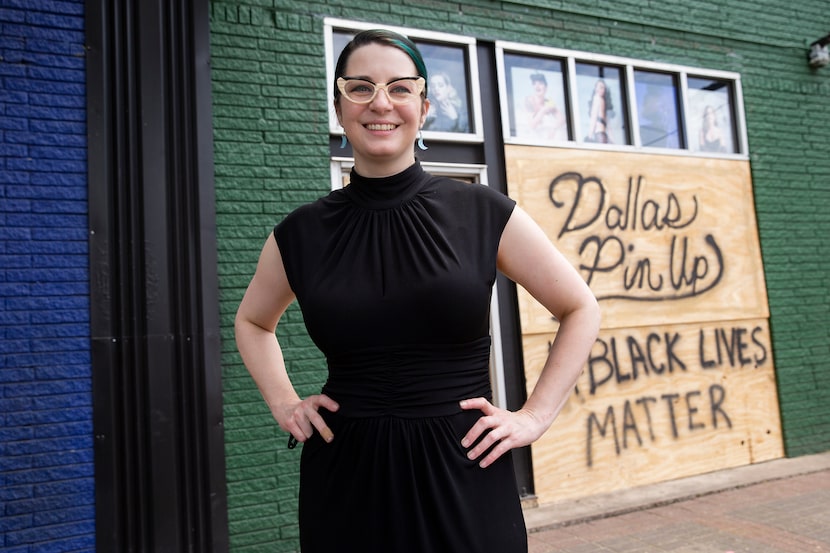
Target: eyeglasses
[[399, 91]]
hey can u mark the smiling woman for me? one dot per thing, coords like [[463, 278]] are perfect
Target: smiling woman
[[382, 128], [403, 450]]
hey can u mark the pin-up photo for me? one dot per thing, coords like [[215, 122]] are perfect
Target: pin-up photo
[[534, 87], [711, 120], [601, 104]]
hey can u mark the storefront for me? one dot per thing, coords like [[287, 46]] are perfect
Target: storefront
[[639, 172], [675, 153], [638, 164]]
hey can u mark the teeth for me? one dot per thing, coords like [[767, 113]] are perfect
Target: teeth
[[380, 127]]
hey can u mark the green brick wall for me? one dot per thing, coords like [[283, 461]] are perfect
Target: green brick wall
[[271, 154], [271, 147]]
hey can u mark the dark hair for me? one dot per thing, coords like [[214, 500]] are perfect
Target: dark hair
[[609, 104], [387, 38]]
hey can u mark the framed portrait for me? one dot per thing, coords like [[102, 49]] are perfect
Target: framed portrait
[[601, 104], [449, 88], [533, 91], [711, 115], [452, 88]]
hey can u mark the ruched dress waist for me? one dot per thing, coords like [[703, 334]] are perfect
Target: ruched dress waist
[[409, 381]]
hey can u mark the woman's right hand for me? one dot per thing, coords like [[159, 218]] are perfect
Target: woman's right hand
[[302, 417]]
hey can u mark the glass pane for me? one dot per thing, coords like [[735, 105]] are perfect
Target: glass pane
[[599, 92], [536, 98], [711, 123], [449, 94], [339, 40], [657, 110]]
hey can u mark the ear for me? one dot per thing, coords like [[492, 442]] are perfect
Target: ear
[[337, 112], [424, 111]]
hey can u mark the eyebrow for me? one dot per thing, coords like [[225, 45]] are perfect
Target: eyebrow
[[366, 78]]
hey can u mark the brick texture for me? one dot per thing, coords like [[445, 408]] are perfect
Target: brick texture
[[271, 155], [271, 148], [46, 483], [787, 515]]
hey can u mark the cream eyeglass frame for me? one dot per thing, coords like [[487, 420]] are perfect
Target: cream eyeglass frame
[[420, 84]]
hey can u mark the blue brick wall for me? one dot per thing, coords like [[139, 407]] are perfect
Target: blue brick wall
[[46, 460]]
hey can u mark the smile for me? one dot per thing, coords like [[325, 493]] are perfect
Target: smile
[[381, 127]]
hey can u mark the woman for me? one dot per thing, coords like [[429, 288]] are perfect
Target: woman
[[403, 450], [446, 113], [710, 138], [543, 117], [598, 107]]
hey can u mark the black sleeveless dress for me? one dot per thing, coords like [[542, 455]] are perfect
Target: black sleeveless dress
[[393, 277]]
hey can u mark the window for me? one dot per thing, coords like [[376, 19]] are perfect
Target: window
[[601, 104], [536, 101], [658, 113], [452, 67], [619, 103], [711, 115]]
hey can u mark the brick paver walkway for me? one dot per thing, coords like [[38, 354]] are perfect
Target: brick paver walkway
[[790, 515]]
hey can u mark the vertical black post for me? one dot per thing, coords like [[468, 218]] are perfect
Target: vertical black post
[[157, 392]]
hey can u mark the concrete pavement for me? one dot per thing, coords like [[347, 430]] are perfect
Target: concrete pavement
[[780, 506]]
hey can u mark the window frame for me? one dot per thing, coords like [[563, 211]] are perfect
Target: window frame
[[424, 40], [680, 73]]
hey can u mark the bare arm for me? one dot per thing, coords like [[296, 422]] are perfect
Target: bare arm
[[528, 257], [266, 299]]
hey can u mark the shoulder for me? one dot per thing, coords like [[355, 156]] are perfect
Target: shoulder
[[317, 207], [477, 207], [466, 193], [309, 215]]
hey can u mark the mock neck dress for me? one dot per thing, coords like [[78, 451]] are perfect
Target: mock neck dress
[[394, 276]]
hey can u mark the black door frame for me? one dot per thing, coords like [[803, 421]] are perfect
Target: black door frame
[[157, 389]]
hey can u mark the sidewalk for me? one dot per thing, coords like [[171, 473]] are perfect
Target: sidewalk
[[780, 506]]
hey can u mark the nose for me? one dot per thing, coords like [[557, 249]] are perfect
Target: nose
[[381, 100]]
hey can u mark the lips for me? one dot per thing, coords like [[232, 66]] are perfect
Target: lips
[[380, 126]]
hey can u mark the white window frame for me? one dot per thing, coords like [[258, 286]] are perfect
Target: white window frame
[[472, 77], [629, 65]]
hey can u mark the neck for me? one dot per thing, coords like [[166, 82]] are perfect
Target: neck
[[374, 169]]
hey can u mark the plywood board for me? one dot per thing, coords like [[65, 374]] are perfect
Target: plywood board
[[659, 238], [659, 403], [681, 380]]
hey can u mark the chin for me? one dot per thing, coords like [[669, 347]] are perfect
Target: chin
[[386, 151]]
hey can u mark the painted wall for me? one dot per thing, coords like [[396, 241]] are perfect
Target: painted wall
[[46, 483], [271, 154]]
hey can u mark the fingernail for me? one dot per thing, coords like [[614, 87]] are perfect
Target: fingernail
[[465, 443]]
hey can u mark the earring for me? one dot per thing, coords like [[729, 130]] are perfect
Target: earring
[[421, 144], [343, 141]]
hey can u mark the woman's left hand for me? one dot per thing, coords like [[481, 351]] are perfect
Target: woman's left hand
[[507, 429]]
